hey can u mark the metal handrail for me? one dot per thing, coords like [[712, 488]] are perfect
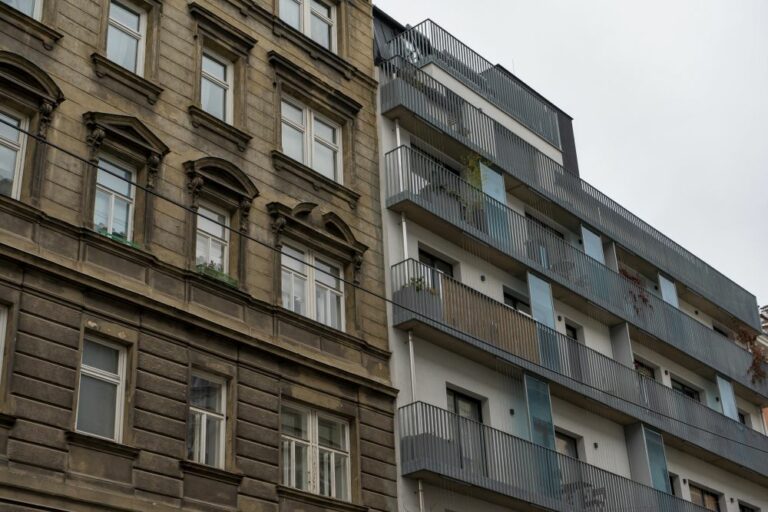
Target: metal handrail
[[415, 177], [447, 304], [405, 85], [428, 42], [444, 443]]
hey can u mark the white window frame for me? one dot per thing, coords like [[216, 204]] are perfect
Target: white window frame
[[227, 84], [224, 241], [141, 35], [311, 283], [305, 20], [4, 312], [99, 374], [308, 131], [314, 448], [20, 147], [131, 198], [37, 9], [199, 455]]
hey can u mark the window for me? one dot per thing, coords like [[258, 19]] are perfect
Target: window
[[311, 140], [317, 293], [517, 302], [645, 369], [126, 36], [674, 483], [216, 86], [574, 331], [705, 498], [3, 335], [668, 291], [744, 419], [747, 508], [436, 263], [313, 18], [12, 145], [206, 425], [544, 225], [566, 445], [315, 452], [102, 390], [686, 390], [212, 245], [32, 8], [465, 406], [113, 208]]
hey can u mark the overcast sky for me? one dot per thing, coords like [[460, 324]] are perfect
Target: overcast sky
[[669, 100]]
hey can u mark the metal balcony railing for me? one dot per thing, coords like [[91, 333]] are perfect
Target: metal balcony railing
[[441, 302], [436, 441], [428, 43], [403, 85], [415, 177]]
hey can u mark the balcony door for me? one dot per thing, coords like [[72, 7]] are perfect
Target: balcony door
[[468, 431]]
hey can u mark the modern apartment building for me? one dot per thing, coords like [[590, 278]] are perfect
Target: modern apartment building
[[158, 353], [552, 350]]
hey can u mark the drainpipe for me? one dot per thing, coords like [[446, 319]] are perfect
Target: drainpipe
[[412, 360]]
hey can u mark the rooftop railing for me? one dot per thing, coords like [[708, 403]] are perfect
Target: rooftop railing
[[437, 441], [439, 301], [428, 42], [415, 177], [404, 85]]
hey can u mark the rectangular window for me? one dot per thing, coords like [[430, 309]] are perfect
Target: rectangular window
[[102, 390], [113, 209], [705, 498], [206, 425], [313, 18], [572, 331], [567, 445], [517, 302], [747, 508], [126, 36], [311, 140], [212, 244], [32, 8], [668, 291], [685, 389], [312, 286], [436, 263], [645, 369], [3, 334], [216, 86], [12, 145], [744, 419], [315, 452], [465, 406]]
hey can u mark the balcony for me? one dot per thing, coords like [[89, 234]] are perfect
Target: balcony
[[416, 98], [436, 444], [444, 310], [428, 43]]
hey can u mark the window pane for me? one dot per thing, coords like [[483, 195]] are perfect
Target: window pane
[[194, 435], [340, 468], [293, 143], [126, 17], [215, 226], [217, 255], [9, 133], [321, 306], [96, 406], [292, 113], [298, 299], [293, 259], [101, 356], [201, 249], [25, 6], [328, 275], [321, 8], [294, 423], [324, 160], [213, 98], [321, 32], [324, 474], [122, 48], [101, 212], [215, 68], [285, 451], [331, 434], [214, 429], [205, 394], [325, 131], [121, 218], [290, 12], [114, 178], [7, 170], [301, 467]]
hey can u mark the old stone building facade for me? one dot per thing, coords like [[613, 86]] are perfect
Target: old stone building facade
[[157, 353]]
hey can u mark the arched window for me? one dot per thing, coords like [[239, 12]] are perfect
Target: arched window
[[28, 99]]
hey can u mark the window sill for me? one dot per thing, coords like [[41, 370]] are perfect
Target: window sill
[[281, 162], [47, 35], [323, 502], [106, 68], [315, 51], [211, 273], [102, 445], [202, 119], [221, 475]]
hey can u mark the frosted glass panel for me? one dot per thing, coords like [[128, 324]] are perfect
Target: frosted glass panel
[[593, 245], [657, 461]]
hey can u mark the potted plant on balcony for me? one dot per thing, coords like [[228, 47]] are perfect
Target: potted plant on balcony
[[420, 296], [214, 271]]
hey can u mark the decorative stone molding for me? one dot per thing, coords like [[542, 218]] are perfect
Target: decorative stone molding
[[105, 68], [202, 119], [102, 445], [316, 501], [284, 163], [227, 477], [46, 34]]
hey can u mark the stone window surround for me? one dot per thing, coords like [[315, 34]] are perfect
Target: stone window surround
[[145, 84], [41, 29], [27, 89], [325, 234], [291, 81], [129, 140], [215, 34], [216, 181]]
